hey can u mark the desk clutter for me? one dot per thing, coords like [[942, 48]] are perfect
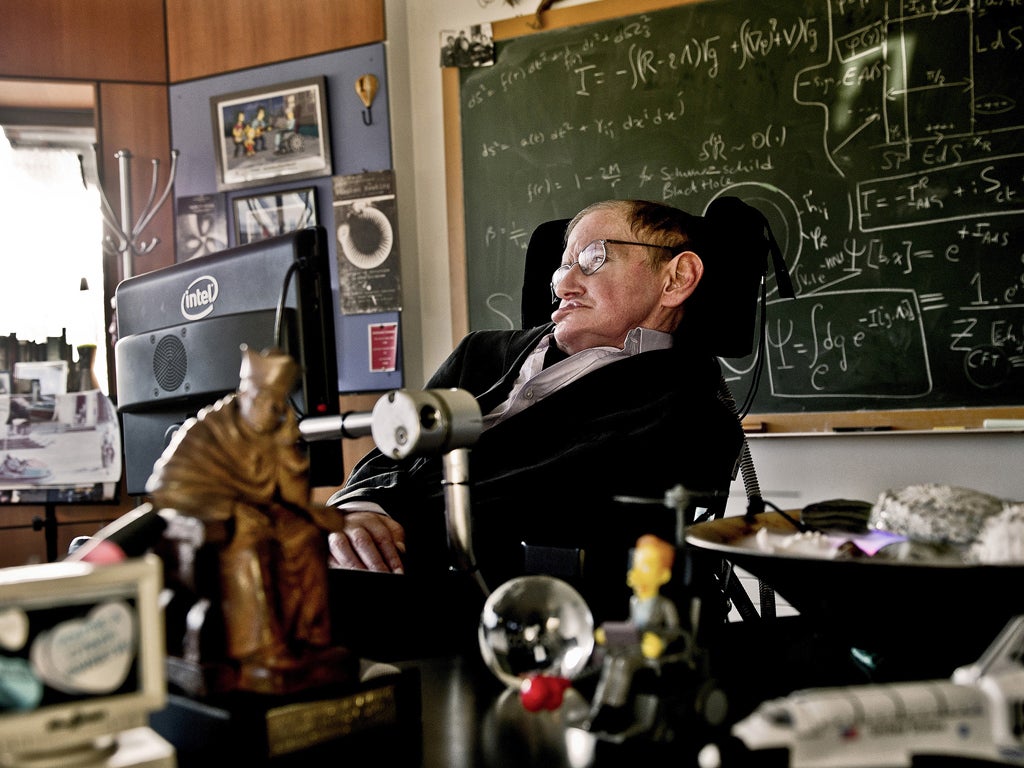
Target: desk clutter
[[909, 638], [871, 670], [534, 681]]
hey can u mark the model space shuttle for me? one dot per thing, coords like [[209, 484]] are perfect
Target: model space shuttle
[[978, 713]]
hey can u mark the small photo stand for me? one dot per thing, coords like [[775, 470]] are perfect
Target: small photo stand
[[266, 135]]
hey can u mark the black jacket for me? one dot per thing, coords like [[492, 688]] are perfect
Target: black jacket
[[550, 475]]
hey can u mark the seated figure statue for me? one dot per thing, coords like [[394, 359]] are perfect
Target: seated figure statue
[[236, 469]]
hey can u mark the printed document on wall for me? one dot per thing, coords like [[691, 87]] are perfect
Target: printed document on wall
[[366, 229]]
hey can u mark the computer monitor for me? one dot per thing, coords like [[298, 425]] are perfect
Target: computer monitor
[[82, 664], [180, 331]]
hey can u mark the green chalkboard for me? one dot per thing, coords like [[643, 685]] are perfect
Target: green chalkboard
[[884, 141]]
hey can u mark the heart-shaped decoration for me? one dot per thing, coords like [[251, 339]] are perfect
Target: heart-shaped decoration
[[88, 655], [13, 629]]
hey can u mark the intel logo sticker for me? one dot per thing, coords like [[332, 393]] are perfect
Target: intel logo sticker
[[197, 300]]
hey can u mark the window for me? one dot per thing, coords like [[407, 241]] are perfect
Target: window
[[51, 242]]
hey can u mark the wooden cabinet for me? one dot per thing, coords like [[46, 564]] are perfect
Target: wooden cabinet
[[208, 37], [28, 532], [117, 40]]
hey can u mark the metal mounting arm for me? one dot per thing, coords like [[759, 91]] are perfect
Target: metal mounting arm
[[406, 422]]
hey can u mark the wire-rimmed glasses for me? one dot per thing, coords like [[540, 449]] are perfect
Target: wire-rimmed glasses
[[593, 257]]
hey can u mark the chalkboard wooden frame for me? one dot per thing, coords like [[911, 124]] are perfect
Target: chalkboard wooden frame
[[785, 422]]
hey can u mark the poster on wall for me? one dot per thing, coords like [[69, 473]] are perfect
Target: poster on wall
[[202, 226], [366, 228], [271, 134]]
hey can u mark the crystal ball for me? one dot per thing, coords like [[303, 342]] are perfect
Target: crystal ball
[[535, 625]]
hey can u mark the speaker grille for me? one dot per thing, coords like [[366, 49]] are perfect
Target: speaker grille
[[170, 363]]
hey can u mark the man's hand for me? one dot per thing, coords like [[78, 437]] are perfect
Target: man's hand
[[368, 541]]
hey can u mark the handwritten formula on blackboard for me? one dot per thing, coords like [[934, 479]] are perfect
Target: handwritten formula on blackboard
[[884, 141]]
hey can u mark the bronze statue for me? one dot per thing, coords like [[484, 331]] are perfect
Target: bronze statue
[[237, 469]]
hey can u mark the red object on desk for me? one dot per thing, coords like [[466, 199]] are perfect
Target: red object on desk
[[100, 551], [543, 692]]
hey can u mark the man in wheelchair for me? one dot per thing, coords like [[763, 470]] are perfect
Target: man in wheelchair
[[287, 139], [615, 397]]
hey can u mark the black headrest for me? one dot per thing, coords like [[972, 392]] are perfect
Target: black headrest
[[735, 245], [543, 255]]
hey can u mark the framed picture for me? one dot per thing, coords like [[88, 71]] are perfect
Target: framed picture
[[258, 217], [271, 134]]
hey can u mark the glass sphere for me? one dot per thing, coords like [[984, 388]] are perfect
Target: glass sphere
[[534, 625]]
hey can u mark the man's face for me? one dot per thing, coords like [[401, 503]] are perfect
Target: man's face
[[600, 309]]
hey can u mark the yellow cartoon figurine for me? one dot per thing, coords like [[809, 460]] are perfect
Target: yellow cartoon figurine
[[623, 704], [259, 127], [655, 616], [238, 134]]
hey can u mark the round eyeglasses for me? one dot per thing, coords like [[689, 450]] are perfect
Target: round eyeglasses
[[593, 257]]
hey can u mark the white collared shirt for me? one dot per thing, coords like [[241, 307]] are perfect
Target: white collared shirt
[[536, 382]]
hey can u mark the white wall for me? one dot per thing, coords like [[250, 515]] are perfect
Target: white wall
[[793, 471]]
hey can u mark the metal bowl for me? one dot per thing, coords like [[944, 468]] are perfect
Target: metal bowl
[[923, 615]]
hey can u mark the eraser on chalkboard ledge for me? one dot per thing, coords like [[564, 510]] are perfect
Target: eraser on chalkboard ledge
[[755, 426], [1003, 424]]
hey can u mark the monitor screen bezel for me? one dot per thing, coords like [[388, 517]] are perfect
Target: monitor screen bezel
[[148, 313]]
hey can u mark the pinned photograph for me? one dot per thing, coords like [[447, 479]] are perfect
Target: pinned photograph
[[467, 47]]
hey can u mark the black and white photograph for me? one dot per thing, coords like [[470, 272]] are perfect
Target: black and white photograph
[[258, 217], [271, 134], [471, 46]]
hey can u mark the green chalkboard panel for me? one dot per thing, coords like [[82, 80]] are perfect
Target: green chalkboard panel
[[883, 140]]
